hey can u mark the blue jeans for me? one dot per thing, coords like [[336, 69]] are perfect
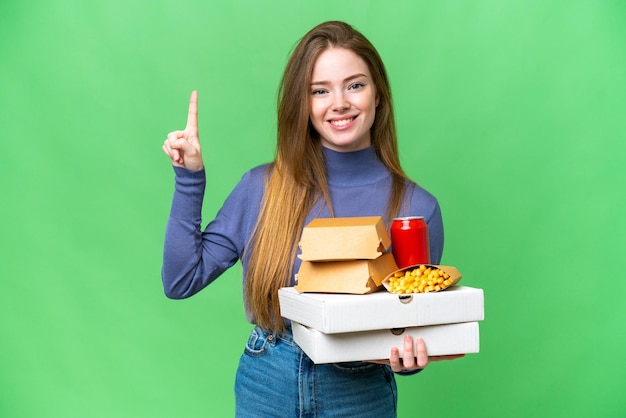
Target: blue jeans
[[276, 378]]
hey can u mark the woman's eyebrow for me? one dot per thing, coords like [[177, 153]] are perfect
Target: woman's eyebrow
[[345, 80]]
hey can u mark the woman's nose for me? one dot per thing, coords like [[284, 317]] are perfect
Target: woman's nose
[[340, 103]]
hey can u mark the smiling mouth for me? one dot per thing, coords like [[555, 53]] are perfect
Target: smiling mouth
[[342, 122]]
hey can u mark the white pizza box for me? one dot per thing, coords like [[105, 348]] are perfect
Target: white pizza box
[[461, 338], [332, 313]]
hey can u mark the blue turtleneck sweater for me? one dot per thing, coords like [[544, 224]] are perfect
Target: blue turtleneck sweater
[[359, 186]]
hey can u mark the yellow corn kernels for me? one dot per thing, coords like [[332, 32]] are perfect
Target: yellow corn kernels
[[422, 279]]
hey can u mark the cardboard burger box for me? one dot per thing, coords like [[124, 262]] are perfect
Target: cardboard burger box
[[461, 338], [354, 238], [338, 313], [344, 255], [346, 276]]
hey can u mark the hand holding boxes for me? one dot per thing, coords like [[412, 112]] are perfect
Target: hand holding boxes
[[340, 312]]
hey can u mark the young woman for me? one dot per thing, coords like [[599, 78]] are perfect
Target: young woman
[[336, 156]]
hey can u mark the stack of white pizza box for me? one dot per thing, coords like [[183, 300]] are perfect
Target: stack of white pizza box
[[340, 311]]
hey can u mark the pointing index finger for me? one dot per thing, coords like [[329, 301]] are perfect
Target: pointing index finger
[[192, 116]]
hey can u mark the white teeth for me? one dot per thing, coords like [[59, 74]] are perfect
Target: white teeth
[[341, 122]]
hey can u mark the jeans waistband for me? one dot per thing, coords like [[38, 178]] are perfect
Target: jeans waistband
[[285, 336]]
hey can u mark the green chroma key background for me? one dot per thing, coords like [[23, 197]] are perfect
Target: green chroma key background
[[511, 113]]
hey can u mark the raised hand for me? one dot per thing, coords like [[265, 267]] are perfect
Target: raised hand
[[183, 147]]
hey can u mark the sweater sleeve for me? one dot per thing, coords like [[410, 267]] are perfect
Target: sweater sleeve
[[422, 203], [192, 258], [435, 233]]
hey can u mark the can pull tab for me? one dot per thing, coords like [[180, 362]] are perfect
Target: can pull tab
[[397, 331], [405, 298]]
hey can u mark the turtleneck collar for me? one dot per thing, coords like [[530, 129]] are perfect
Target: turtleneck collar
[[355, 168]]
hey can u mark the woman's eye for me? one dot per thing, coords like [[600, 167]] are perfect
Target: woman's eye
[[355, 86], [317, 92]]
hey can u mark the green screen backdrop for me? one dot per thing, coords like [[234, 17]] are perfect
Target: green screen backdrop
[[510, 112]]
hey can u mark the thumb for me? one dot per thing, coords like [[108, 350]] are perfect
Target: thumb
[[186, 147]]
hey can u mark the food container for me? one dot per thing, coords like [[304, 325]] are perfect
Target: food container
[[454, 276], [336, 313], [461, 338]]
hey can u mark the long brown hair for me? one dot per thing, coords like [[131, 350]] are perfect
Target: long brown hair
[[297, 177]]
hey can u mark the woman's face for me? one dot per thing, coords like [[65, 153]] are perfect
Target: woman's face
[[342, 100]]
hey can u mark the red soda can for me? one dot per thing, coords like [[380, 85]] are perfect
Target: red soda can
[[409, 241]]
